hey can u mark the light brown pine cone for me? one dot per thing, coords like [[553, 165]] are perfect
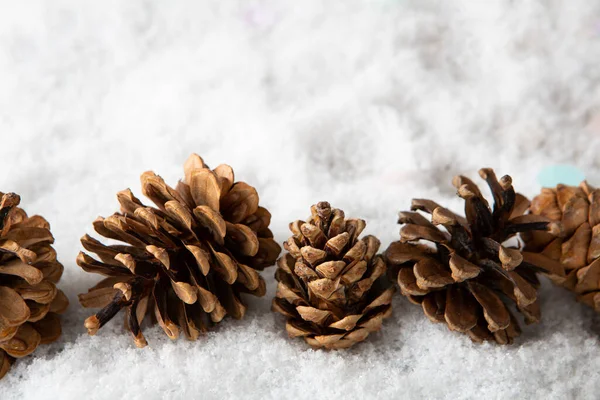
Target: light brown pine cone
[[30, 303], [333, 287], [577, 245], [186, 261]]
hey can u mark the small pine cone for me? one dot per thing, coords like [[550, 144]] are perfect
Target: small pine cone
[[332, 288], [29, 300], [577, 246], [184, 263], [466, 274]]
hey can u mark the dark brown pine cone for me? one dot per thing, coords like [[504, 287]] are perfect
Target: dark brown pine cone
[[187, 261], [577, 245], [29, 300], [464, 271], [333, 287]]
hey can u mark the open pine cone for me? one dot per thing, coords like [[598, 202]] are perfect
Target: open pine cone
[[465, 274], [185, 262], [577, 246], [332, 288], [29, 300]]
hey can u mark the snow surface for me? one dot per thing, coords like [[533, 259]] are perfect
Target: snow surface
[[364, 104]]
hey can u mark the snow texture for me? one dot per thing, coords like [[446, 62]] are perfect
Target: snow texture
[[364, 104]]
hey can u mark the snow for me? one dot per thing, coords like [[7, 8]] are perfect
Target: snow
[[365, 104]]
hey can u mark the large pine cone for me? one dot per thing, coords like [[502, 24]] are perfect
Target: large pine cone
[[466, 275], [185, 262], [29, 300], [333, 288], [577, 246]]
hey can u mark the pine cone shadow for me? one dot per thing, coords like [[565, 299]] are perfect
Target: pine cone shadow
[[532, 333], [594, 326]]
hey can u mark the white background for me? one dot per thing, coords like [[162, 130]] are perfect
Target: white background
[[364, 104]]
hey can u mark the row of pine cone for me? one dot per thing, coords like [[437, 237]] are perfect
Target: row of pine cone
[[186, 262]]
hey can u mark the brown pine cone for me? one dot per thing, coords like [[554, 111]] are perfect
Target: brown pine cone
[[464, 273], [332, 288], [185, 262], [577, 246], [29, 300]]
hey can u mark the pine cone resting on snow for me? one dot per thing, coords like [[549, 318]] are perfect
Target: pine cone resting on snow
[[187, 261], [577, 246], [333, 288], [470, 276], [29, 300]]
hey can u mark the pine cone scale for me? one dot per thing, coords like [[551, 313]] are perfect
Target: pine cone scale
[[460, 309]]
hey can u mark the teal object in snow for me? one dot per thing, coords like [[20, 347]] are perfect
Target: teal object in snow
[[565, 174]]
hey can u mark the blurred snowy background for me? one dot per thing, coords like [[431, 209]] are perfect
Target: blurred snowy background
[[363, 103]]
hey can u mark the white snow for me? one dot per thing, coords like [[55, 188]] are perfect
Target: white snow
[[363, 103]]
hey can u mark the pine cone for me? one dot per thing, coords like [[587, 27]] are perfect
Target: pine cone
[[332, 288], [467, 275], [577, 246], [29, 300], [185, 262]]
